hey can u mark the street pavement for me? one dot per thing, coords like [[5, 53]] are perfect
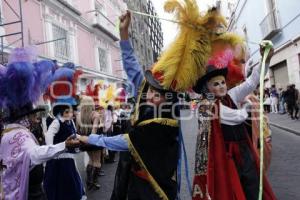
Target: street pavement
[[284, 173], [285, 165], [285, 122]]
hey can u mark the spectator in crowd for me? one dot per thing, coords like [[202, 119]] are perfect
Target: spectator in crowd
[[108, 130], [291, 99], [88, 121], [267, 103], [298, 100], [274, 99], [281, 101]]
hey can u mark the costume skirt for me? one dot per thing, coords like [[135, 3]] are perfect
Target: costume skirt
[[62, 180]]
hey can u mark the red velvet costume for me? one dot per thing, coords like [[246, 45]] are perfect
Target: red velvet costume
[[222, 157]]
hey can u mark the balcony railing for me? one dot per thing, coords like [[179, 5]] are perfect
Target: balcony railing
[[106, 25], [270, 25]]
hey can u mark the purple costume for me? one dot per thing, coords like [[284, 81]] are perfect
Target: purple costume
[[20, 152]]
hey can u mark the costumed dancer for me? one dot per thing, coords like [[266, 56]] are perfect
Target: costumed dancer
[[21, 85], [62, 180], [226, 165], [154, 155], [238, 71], [88, 122], [152, 173]]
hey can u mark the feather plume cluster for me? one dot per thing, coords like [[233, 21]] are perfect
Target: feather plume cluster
[[23, 82], [63, 85], [230, 50], [93, 91], [184, 61]]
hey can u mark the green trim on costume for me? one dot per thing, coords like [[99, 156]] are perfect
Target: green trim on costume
[[140, 162]]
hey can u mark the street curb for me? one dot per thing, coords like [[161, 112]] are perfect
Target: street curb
[[285, 129]]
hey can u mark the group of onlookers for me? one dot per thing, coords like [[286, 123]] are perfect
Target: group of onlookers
[[282, 100]]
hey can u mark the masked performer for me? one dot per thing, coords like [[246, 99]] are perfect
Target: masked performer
[[227, 165], [21, 85]]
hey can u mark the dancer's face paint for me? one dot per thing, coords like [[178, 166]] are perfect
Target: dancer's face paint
[[154, 97], [217, 85]]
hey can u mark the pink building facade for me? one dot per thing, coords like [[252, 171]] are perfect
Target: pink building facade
[[84, 32]]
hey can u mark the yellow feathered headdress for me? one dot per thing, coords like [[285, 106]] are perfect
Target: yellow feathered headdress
[[184, 61]]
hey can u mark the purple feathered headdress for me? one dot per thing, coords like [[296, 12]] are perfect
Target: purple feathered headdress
[[22, 82]]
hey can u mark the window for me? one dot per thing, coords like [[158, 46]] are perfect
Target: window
[[103, 60], [62, 46]]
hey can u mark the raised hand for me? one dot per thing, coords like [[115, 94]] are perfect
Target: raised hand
[[124, 25]]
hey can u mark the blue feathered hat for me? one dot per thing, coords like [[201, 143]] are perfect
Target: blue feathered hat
[[22, 82], [62, 91]]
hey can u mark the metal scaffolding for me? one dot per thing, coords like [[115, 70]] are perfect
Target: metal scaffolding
[[18, 13]]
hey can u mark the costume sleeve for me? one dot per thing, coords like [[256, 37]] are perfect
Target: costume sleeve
[[40, 154], [52, 130], [131, 66], [231, 116], [239, 92], [115, 143]]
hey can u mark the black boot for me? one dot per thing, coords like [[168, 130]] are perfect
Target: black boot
[[89, 176], [100, 172], [96, 171]]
